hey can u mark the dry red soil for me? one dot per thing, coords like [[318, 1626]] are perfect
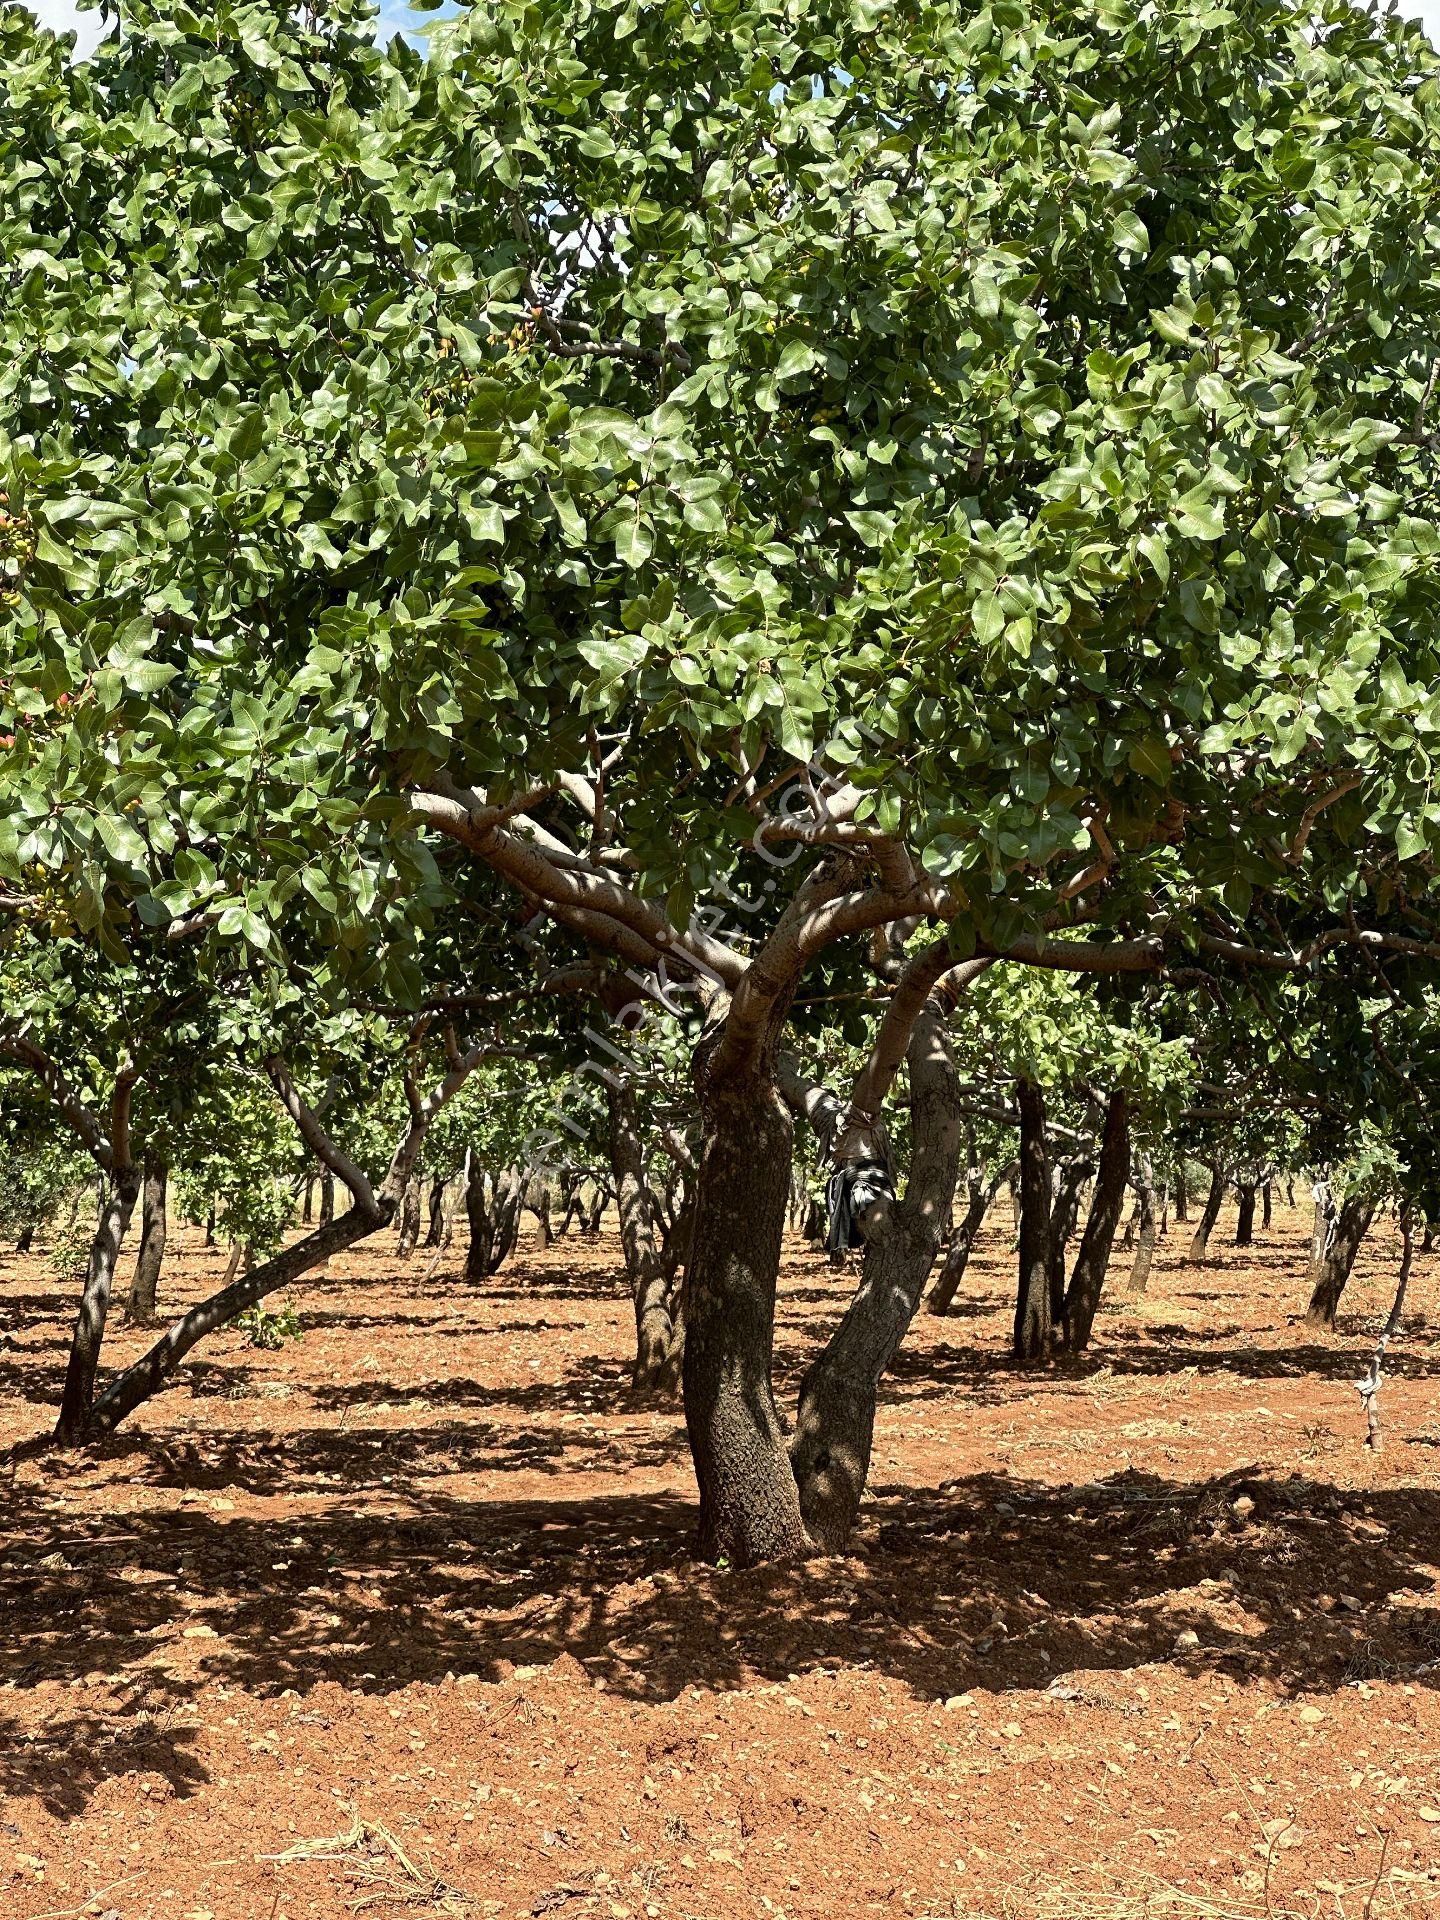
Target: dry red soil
[[402, 1619]]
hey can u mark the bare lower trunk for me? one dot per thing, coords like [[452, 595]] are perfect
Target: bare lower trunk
[[1214, 1200], [327, 1198], [1182, 1194], [409, 1218], [120, 1194], [1337, 1260], [435, 1233], [749, 1502], [1033, 1328], [137, 1383], [962, 1244], [835, 1423], [1063, 1216], [1267, 1206], [644, 1266], [1245, 1217], [1148, 1218], [26, 1238], [1112, 1177], [140, 1307]]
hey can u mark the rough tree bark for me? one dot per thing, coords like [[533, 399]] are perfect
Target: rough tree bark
[[1063, 1216], [140, 1307], [1210, 1213], [830, 1454], [26, 1238], [749, 1500], [1087, 1281], [1337, 1260]]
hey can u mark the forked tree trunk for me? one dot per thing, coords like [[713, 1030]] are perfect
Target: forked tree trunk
[[409, 1218], [1337, 1260], [120, 1194], [835, 1421], [1148, 1224], [1245, 1215], [140, 1307], [1032, 1334], [1214, 1200], [644, 1266], [1087, 1282], [749, 1502]]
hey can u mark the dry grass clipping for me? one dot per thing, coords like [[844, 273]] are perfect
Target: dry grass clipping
[[379, 1869]]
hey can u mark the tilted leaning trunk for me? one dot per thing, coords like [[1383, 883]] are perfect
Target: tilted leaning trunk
[[1214, 1200], [140, 1307], [1337, 1260], [1032, 1299], [1087, 1281], [121, 1192], [129, 1389], [749, 1502], [835, 1424], [644, 1264], [962, 1243]]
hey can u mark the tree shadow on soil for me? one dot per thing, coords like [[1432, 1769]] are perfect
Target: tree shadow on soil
[[990, 1581]]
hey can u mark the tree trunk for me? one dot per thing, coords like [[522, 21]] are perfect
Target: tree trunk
[[1214, 1200], [121, 1193], [1245, 1215], [835, 1422], [210, 1225], [307, 1208], [1032, 1300], [644, 1267], [1267, 1206], [1146, 1210], [1182, 1194], [481, 1219], [137, 1383], [1337, 1259], [140, 1308], [26, 1238], [540, 1187], [962, 1244], [409, 1218], [1063, 1216], [327, 1197], [435, 1231], [1087, 1282], [749, 1501]]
